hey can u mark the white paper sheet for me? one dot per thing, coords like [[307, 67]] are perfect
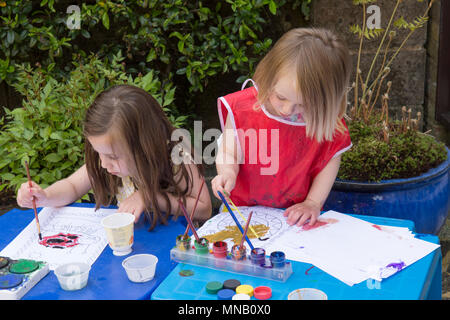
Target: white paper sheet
[[350, 249], [84, 222]]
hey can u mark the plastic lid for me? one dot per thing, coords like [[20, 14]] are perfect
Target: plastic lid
[[10, 280], [225, 294], [231, 284], [241, 296], [262, 293], [213, 286], [245, 288], [23, 266], [3, 262]]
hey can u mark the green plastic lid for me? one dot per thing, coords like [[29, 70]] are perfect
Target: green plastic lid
[[213, 286], [23, 266]]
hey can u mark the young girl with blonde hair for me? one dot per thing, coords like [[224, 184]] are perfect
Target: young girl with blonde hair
[[127, 156], [300, 93]]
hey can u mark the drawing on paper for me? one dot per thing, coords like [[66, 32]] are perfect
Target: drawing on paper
[[267, 223], [60, 240], [69, 234]]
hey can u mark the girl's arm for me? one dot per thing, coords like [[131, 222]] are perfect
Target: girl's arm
[[317, 195], [204, 207], [226, 161], [59, 194]]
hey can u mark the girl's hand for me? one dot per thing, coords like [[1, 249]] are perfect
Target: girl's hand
[[134, 204], [223, 183], [302, 212], [25, 195]]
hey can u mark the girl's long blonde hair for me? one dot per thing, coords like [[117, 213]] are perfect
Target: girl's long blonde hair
[[322, 65], [136, 121]]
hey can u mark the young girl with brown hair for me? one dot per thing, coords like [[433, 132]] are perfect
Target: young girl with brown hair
[[299, 95], [128, 156]]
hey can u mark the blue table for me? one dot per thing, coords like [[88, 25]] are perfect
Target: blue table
[[422, 280], [107, 278]]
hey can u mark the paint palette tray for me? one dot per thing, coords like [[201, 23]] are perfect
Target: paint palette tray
[[266, 269], [17, 277]]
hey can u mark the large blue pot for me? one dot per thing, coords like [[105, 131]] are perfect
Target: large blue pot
[[424, 199]]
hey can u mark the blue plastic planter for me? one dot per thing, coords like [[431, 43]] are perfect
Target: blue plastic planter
[[424, 199]]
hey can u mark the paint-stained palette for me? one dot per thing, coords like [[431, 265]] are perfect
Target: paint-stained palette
[[17, 277]]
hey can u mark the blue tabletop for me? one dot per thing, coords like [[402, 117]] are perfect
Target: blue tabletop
[[421, 280], [107, 278]]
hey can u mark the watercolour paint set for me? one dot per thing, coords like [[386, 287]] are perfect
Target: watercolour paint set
[[17, 277], [237, 261]]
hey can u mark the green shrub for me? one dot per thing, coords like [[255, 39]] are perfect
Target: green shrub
[[47, 130], [407, 153], [186, 42]]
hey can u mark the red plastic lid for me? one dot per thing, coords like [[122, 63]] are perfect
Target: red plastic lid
[[262, 293]]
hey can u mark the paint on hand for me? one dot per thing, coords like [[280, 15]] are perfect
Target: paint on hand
[[60, 241]]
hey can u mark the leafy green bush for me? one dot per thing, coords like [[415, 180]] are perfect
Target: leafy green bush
[[187, 40], [47, 130]]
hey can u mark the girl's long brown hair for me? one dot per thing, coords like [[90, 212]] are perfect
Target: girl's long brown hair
[[135, 121]]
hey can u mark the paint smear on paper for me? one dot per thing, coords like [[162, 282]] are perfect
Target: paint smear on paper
[[60, 240], [234, 233], [318, 224]]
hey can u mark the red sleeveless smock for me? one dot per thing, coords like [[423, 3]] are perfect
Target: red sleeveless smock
[[283, 178]]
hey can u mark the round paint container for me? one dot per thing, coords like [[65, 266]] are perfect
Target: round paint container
[[307, 294], [183, 243], [73, 276], [202, 247], [220, 249], [278, 259], [258, 256], [140, 267], [202, 250], [238, 254]]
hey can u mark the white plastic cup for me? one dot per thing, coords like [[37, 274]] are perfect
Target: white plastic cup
[[140, 267], [307, 294], [119, 228], [73, 276]]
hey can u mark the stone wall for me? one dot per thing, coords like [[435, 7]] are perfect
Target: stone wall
[[408, 71]]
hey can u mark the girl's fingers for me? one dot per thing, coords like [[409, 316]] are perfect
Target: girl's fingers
[[302, 220]]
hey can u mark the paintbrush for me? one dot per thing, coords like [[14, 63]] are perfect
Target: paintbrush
[[34, 201], [189, 221], [245, 230], [234, 217], [193, 210], [235, 208]]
